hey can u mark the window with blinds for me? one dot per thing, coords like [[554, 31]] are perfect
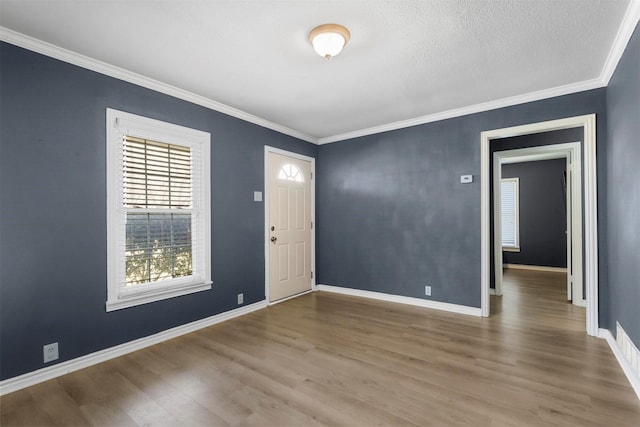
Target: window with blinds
[[159, 210], [509, 204], [157, 195], [156, 174]]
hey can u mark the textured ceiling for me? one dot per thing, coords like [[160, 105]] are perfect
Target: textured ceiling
[[406, 58]]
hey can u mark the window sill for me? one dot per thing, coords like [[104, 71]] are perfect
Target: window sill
[[161, 294], [510, 249]]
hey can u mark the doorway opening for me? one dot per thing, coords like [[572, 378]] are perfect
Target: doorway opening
[[589, 266], [571, 153]]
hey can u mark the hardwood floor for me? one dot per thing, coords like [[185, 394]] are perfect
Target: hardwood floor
[[327, 359]]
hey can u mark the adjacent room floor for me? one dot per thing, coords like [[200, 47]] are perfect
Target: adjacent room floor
[[327, 359]]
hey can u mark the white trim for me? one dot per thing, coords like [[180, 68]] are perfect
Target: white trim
[[268, 149], [590, 256], [119, 123], [22, 381], [625, 31], [628, 370], [485, 222], [537, 154], [436, 305], [472, 109], [74, 58], [571, 152], [92, 64], [156, 295], [536, 268], [590, 225], [629, 22]]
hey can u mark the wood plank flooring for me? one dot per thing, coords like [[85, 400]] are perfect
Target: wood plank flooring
[[327, 359]]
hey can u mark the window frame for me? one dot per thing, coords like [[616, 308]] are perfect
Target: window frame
[[516, 246], [119, 296]]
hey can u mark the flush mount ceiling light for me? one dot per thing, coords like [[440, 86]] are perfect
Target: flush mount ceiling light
[[329, 39]]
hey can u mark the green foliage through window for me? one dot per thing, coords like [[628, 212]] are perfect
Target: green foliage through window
[[158, 247]]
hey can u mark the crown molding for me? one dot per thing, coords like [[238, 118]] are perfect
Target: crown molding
[[627, 27], [472, 109], [625, 31], [92, 64]]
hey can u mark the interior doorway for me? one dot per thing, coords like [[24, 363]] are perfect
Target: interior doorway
[[289, 217], [572, 154], [589, 217]]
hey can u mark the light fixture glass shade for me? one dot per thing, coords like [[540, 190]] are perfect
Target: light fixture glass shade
[[328, 44], [329, 39]]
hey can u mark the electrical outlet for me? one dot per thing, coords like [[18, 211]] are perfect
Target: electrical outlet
[[240, 299], [427, 290], [50, 352]]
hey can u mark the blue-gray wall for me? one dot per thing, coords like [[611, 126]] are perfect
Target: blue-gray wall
[[543, 217], [623, 192], [393, 215], [53, 210]]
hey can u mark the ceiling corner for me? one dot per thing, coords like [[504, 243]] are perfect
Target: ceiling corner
[[627, 27]]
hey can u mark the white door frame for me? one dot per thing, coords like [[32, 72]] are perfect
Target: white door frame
[[570, 152], [267, 150], [588, 123]]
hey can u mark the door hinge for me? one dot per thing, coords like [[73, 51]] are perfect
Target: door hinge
[[312, 274], [312, 225], [311, 175]]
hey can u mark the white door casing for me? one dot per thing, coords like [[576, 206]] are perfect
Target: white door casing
[[570, 152], [590, 203], [289, 220]]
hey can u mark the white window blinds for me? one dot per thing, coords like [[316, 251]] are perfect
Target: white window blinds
[[158, 198], [509, 188], [156, 174]]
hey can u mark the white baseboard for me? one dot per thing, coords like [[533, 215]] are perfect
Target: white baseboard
[[31, 378], [627, 368], [580, 303], [535, 268], [436, 305]]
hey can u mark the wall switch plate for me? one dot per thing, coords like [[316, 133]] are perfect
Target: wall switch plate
[[466, 179], [427, 291], [240, 299], [50, 352], [257, 196]]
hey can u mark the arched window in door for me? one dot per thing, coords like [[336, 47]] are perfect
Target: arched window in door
[[290, 172]]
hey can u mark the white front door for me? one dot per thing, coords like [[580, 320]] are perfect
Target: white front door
[[289, 226]]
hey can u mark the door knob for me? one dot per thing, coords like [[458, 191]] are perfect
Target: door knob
[[273, 239]]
